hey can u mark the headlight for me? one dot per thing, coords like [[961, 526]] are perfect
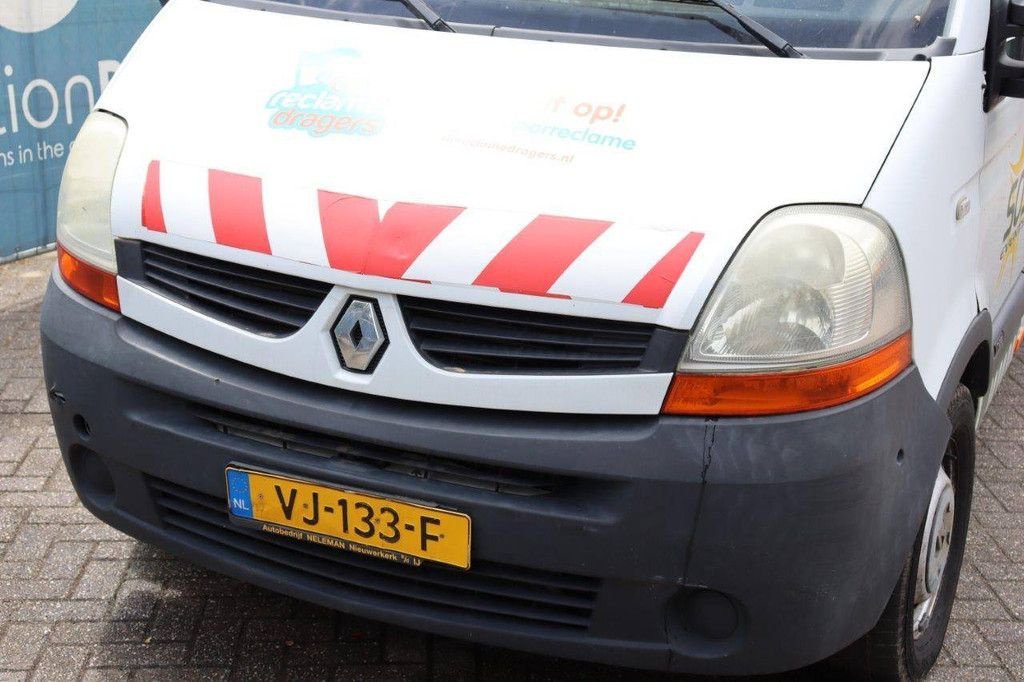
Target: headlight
[[85, 243], [813, 311], [83, 209]]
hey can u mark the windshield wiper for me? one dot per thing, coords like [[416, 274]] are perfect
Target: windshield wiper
[[764, 35], [425, 12]]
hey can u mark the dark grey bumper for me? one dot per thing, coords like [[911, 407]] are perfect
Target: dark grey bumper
[[803, 521]]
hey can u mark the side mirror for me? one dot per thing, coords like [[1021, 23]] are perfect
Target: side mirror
[[1005, 52]]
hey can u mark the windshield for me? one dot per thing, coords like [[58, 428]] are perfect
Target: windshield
[[836, 24]]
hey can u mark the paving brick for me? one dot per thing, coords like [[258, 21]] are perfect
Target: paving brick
[[216, 642], [51, 611], [382, 673], [10, 523], [38, 499], [100, 579], [22, 589], [1011, 593], [112, 549], [1002, 570], [98, 632], [40, 462], [105, 675], [1012, 656], [969, 674], [1011, 631], [65, 560], [327, 656], [182, 673], [452, 661], [404, 646], [977, 610], [132, 654], [19, 389], [135, 600], [288, 630], [258, 660], [22, 644], [31, 543], [966, 645], [22, 483], [61, 663], [176, 620], [14, 447]]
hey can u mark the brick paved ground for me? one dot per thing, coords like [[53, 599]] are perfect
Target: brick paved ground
[[80, 600]]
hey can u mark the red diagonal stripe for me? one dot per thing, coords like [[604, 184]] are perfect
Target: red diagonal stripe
[[407, 230], [152, 208], [236, 209], [357, 240], [652, 291], [348, 223], [536, 257]]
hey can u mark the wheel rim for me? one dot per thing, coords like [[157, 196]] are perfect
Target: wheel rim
[[935, 545]]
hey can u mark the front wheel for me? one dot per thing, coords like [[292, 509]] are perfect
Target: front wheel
[[907, 639]]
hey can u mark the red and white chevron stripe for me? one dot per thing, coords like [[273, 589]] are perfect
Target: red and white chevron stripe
[[541, 255]]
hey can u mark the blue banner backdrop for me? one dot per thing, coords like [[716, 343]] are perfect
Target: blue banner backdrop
[[56, 57]]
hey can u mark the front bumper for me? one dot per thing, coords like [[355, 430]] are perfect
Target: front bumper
[[803, 522]]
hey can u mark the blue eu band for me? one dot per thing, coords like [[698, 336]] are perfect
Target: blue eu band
[[239, 497]]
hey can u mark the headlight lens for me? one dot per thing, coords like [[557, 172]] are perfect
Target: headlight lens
[[812, 286], [83, 209]]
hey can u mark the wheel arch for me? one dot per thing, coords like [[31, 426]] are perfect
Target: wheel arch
[[972, 363]]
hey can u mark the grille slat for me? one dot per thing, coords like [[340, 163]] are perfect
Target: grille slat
[[437, 469], [239, 306], [521, 353], [194, 261], [523, 318], [520, 334], [240, 287], [473, 338], [259, 301], [491, 590]]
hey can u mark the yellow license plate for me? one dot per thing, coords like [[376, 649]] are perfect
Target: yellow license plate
[[357, 522]]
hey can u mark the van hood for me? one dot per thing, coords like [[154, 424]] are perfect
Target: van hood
[[608, 181]]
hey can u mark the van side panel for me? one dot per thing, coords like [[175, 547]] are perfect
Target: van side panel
[[933, 165]]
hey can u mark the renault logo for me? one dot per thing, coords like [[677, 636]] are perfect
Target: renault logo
[[359, 335]]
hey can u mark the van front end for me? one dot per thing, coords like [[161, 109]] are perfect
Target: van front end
[[578, 364], [728, 545]]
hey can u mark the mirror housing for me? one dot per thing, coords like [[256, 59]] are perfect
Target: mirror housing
[[1004, 60]]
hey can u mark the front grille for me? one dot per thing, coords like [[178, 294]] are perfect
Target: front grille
[[473, 338], [259, 301], [443, 470], [504, 594]]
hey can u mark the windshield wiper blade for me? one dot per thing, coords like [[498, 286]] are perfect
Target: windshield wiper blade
[[425, 12], [767, 37]]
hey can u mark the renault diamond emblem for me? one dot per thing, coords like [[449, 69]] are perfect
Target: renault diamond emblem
[[359, 335]]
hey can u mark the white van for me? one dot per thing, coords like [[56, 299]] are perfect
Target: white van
[[652, 332]]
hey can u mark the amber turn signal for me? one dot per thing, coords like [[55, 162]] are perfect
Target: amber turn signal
[[745, 395], [88, 280]]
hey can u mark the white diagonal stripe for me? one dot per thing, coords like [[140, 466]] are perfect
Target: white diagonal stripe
[[466, 246], [617, 260], [185, 199], [293, 222], [383, 207]]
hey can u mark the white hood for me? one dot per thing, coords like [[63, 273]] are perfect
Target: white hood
[[602, 180]]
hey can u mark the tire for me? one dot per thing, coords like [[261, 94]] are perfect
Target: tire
[[891, 651]]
